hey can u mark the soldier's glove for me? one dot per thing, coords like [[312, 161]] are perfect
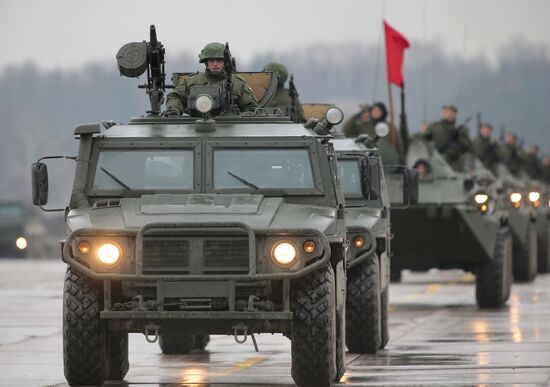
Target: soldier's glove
[[170, 112]]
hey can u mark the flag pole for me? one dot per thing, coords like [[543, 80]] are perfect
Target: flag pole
[[393, 137], [403, 126]]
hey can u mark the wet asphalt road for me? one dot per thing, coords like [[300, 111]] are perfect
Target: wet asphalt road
[[438, 338]]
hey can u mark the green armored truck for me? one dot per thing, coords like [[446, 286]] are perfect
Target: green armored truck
[[185, 226], [459, 222]]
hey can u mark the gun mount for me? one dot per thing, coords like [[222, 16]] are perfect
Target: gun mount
[[136, 58]]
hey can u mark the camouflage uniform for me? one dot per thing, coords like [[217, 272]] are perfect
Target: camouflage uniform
[[449, 140], [513, 157], [244, 97], [282, 99], [534, 167], [242, 93], [486, 150], [390, 154]]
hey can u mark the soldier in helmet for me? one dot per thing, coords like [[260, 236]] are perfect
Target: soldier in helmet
[[511, 154], [451, 141], [212, 55], [546, 169], [282, 98], [364, 122], [484, 147], [533, 165]]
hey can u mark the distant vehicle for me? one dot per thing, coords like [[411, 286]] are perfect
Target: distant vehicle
[[13, 236], [522, 221], [369, 238], [181, 227], [459, 222]]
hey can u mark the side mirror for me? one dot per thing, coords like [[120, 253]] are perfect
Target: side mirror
[[39, 174], [370, 177], [410, 186]]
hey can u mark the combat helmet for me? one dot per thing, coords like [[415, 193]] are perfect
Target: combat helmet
[[212, 50], [279, 69]]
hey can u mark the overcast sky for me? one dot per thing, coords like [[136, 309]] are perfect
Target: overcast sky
[[69, 33]]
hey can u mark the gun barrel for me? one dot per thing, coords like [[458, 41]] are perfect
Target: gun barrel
[[153, 35]]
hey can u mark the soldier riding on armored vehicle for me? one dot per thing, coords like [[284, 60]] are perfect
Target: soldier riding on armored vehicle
[[459, 223], [212, 223]]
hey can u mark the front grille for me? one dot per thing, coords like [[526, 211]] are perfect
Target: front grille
[[166, 254], [226, 253]]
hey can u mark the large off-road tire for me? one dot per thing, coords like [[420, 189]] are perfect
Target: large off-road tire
[[340, 345], [84, 335], [118, 356], [384, 304], [201, 341], [313, 333], [494, 279], [526, 256], [176, 344], [363, 323], [544, 253]]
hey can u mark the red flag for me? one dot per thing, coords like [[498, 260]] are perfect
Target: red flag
[[395, 49]]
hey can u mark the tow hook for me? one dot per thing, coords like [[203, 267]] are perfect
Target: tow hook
[[151, 329], [243, 329]]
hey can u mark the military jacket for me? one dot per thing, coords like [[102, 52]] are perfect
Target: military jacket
[[486, 150], [513, 157], [449, 140], [390, 154], [533, 167], [244, 97], [283, 102]]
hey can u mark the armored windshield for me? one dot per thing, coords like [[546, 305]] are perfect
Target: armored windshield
[[153, 169], [262, 169], [350, 177]]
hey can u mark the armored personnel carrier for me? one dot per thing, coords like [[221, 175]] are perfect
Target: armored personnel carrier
[[459, 222], [522, 221], [186, 226]]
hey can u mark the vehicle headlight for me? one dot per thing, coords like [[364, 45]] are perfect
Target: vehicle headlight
[[334, 115], [534, 196], [309, 247], [481, 198], [515, 197], [21, 243], [204, 103], [109, 254], [284, 254], [358, 242]]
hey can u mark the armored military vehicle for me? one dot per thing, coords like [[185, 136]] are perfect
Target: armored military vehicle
[[181, 227], [458, 223], [522, 224], [369, 252], [543, 228], [13, 236]]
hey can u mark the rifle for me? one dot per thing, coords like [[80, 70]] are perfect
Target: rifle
[[155, 72], [478, 120], [229, 65], [293, 93]]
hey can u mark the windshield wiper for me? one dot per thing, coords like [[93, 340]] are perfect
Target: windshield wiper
[[116, 179], [243, 180]]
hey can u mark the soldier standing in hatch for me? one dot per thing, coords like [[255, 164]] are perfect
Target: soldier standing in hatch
[[511, 154], [359, 123], [212, 55], [533, 165], [484, 147], [450, 141], [546, 169], [282, 98], [365, 122]]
